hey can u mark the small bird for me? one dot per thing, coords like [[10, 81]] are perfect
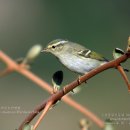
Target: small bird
[[74, 56]]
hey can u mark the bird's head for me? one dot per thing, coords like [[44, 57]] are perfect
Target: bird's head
[[56, 47]]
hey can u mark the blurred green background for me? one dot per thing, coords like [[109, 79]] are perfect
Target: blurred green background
[[99, 25]]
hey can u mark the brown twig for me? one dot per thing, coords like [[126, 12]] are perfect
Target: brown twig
[[48, 88], [121, 70], [47, 107]]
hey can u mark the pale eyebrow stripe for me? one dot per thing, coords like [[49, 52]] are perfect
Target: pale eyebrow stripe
[[57, 43], [60, 42]]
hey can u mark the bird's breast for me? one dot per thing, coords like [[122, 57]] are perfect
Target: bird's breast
[[78, 64]]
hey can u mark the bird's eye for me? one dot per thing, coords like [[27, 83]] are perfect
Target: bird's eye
[[53, 47]]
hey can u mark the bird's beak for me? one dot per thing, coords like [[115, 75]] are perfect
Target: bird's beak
[[44, 50]]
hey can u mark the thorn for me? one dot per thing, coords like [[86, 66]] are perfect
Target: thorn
[[64, 90], [79, 81]]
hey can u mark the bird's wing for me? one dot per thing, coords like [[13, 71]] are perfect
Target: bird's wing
[[86, 53]]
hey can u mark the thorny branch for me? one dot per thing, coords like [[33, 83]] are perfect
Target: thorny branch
[[71, 86], [18, 68]]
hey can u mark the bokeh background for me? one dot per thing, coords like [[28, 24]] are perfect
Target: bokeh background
[[99, 25]]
